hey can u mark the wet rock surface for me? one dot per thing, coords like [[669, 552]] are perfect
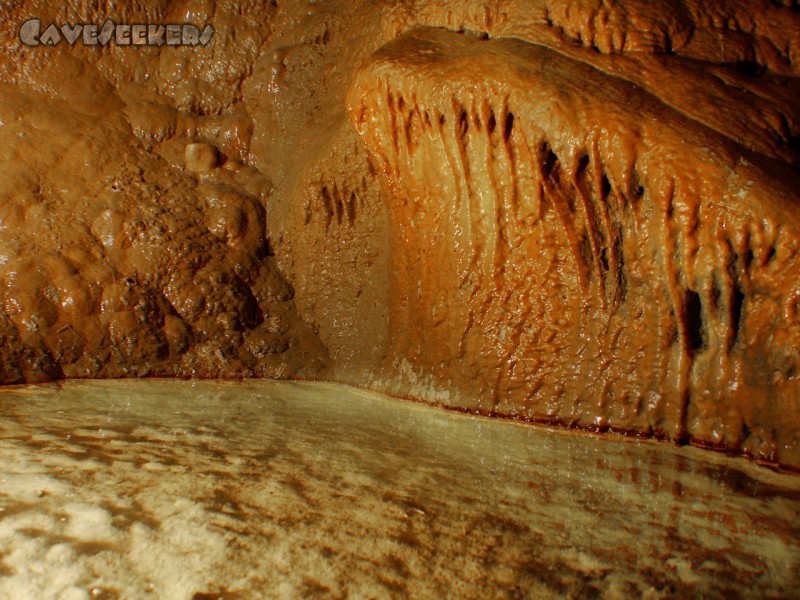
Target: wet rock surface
[[578, 251], [133, 229], [576, 212]]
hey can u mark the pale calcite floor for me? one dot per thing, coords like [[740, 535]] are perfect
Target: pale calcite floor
[[195, 489]]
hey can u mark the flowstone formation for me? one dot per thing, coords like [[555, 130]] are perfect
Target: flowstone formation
[[582, 213], [132, 226], [567, 248]]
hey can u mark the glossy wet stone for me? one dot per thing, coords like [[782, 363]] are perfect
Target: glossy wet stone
[[195, 489]]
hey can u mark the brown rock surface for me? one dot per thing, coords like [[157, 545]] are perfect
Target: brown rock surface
[[117, 260], [578, 212]]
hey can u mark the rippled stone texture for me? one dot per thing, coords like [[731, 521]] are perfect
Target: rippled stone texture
[[260, 489], [582, 212], [590, 211], [569, 249]]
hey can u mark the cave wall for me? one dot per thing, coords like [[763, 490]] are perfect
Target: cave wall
[[582, 213]]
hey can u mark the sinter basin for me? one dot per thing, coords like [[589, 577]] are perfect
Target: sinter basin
[[201, 489]]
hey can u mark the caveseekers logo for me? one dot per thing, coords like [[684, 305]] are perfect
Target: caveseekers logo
[[31, 34]]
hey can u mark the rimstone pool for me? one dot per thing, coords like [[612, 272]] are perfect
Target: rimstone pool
[[204, 489]]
